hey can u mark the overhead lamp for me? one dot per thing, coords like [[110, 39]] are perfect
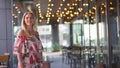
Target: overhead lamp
[[65, 9], [112, 8], [40, 20], [19, 12], [110, 2], [15, 16], [49, 0], [71, 15], [13, 4], [52, 4], [76, 4], [37, 4], [80, 9], [85, 4], [68, 4], [61, 4], [53, 15], [102, 11], [63, 0], [93, 13], [16, 7], [71, 7], [59, 8], [65, 22], [58, 20], [68, 17], [48, 4]]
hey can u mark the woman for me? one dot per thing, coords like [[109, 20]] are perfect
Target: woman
[[27, 45]]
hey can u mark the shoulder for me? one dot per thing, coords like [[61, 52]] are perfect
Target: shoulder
[[21, 36], [21, 32]]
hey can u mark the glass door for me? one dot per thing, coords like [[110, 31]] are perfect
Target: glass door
[[102, 37], [108, 35], [114, 19]]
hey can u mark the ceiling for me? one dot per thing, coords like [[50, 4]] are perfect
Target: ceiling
[[52, 11]]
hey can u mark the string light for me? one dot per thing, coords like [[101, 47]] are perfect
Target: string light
[[66, 9]]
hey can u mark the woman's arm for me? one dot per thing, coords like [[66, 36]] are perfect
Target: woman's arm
[[19, 57]]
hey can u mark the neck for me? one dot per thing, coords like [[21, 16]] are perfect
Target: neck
[[29, 32], [29, 28]]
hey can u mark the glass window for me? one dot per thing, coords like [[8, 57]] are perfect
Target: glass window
[[45, 33], [78, 32], [64, 35]]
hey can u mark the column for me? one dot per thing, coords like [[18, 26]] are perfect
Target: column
[[5, 26]]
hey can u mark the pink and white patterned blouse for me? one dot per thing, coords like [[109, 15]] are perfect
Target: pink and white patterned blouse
[[31, 50]]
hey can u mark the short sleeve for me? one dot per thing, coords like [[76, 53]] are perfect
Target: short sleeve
[[18, 44]]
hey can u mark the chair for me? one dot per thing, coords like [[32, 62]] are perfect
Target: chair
[[4, 60]]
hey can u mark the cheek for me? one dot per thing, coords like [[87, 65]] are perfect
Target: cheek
[[28, 22]]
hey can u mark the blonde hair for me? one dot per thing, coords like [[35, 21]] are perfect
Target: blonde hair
[[23, 25]]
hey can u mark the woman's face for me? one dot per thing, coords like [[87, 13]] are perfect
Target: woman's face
[[29, 19]]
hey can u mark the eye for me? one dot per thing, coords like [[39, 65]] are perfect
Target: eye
[[31, 17], [26, 17]]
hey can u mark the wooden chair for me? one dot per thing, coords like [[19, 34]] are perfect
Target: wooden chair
[[4, 60]]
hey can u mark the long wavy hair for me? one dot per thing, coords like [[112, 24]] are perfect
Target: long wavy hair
[[24, 26]]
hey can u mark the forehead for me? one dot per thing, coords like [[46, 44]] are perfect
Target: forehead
[[29, 15]]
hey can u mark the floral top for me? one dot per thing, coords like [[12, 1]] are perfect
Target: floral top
[[31, 50]]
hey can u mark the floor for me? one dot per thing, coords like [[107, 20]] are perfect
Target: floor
[[56, 60]]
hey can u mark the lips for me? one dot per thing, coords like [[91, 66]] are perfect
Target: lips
[[29, 23]]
